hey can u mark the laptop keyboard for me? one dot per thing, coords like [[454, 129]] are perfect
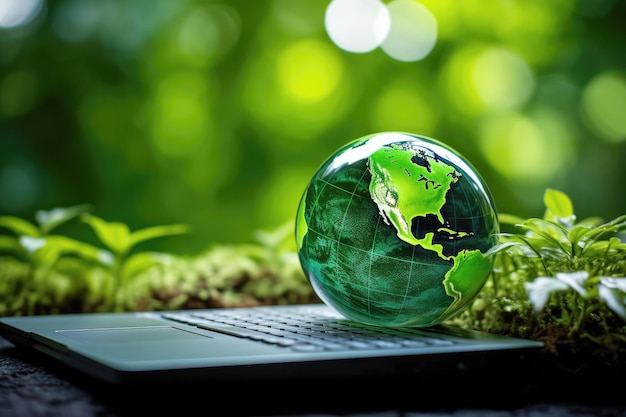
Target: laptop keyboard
[[306, 329]]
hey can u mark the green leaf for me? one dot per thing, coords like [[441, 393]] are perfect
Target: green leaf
[[115, 236], [505, 218], [558, 203], [596, 249], [10, 243], [279, 238], [501, 247], [604, 230], [141, 262], [51, 219], [45, 255], [578, 233], [617, 224], [156, 231], [19, 226], [591, 221], [69, 245], [553, 233]]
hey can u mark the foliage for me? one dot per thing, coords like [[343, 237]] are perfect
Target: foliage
[[554, 279], [118, 238], [42, 273], [40, 270], [558, 280], [265, 272]]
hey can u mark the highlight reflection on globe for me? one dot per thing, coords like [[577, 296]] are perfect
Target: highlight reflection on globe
[[393, 228]]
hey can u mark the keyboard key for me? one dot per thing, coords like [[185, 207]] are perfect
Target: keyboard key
[[304, 330]]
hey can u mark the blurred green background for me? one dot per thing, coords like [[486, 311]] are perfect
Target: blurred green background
[[217, 113]]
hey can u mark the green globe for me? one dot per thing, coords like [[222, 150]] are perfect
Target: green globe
[[393, 228]]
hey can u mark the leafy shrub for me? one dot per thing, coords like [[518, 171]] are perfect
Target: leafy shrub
[[44, 272], [558, 280], [41, 273]]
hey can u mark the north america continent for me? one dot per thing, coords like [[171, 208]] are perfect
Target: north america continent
[[409, 183]]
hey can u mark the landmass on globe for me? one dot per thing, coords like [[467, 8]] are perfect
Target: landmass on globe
[[393, 189]]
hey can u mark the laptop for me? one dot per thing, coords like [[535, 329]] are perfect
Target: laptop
[[264, 343]]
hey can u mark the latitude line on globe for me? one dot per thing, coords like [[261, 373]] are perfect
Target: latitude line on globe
[[330, 184], [356, 195], [364, 250]]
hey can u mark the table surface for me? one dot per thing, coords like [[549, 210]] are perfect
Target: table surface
[[32, 387]]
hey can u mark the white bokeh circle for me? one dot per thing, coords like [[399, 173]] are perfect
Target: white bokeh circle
[[413, 31], [404, 29], [357, 25], [16, 13]]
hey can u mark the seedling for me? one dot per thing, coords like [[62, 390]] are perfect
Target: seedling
[[120, 241], [48, 269]]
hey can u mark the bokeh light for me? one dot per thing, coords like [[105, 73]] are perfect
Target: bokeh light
[[603, 104], [357, 25], [77, 20], [480, 79], [413, 31], [502, 79], [307, 71], [208, 32], [216, 113], [404, 29], [181, 120], [16, 13], [522, 150], [297, 91], [406, 105]]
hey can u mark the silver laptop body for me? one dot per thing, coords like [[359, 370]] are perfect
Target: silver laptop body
[[267, 343]]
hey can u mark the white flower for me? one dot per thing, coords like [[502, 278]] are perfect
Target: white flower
[[613, 291], [106, 257], [32, 244], [540, 289], [574, 280]]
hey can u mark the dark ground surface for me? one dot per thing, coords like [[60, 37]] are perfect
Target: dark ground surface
[[30, 387]]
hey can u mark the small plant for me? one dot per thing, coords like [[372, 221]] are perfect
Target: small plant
[[36, 265], [39, 269], [558, 280], [120, 241], [33, 241], [42, 273]]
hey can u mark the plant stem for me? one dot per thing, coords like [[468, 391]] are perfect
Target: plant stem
[[114, 289], [584, 310]]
